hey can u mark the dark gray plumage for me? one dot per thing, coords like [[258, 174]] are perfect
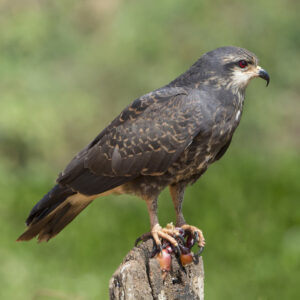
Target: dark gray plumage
[[165, 138]]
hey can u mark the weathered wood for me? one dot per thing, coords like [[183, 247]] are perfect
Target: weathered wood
[[140, 277]]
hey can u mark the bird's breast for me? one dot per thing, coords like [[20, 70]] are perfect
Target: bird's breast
[[208, 144]]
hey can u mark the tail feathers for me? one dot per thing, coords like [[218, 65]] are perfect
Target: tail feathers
[[48, 203], [49, 217]]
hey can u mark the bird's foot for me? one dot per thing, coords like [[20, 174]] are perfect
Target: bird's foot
[[163, 237], [167, 241], [177, 240], [195, 235]]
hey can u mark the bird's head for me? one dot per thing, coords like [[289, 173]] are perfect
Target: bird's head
[[232, 67]]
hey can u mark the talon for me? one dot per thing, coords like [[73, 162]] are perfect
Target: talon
[[181, 238], [172, 239], [164, 234], [137, 241], [177, 250], [196, 236], [144, 237], [184, 250], [197, 233], [160, 248], [201, 248], [154, 250], [164, 238]]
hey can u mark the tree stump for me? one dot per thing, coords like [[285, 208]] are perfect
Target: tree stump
[[140, 277]]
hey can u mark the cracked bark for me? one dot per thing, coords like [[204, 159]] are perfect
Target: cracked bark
[[140, 277]]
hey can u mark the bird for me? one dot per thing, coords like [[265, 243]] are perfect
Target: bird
[[165, 138]]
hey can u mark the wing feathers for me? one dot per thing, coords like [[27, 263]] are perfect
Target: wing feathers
[[145, 139], [90, 184]]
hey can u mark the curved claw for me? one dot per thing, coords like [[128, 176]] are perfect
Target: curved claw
[[196, 237], [144, 237], [196, 233], [176, 250], [160, 247], [155, 249], [139, 239], [200, 251], [193, 243], [181, 238]]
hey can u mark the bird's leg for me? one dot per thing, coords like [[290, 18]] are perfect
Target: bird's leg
[[158, 233], [177, 193]]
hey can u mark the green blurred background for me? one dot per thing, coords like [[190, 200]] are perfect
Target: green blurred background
[[68, 67]]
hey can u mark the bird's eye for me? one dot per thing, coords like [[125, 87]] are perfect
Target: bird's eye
[[243, 64]]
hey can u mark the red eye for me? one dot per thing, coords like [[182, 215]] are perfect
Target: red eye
[[243, 64]]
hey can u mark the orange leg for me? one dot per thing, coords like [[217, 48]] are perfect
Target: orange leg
[[177, 193], [169, 233]]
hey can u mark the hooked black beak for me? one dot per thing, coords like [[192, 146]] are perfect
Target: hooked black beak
[[264, 75]]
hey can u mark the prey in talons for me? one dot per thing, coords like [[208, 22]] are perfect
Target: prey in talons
[[174, 240]]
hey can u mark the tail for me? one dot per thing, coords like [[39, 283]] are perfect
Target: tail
[[53, 212]]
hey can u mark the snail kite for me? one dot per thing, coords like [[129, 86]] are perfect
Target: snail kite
[[165, 138]]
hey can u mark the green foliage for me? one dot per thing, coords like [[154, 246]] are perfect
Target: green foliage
[[68, 67]]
